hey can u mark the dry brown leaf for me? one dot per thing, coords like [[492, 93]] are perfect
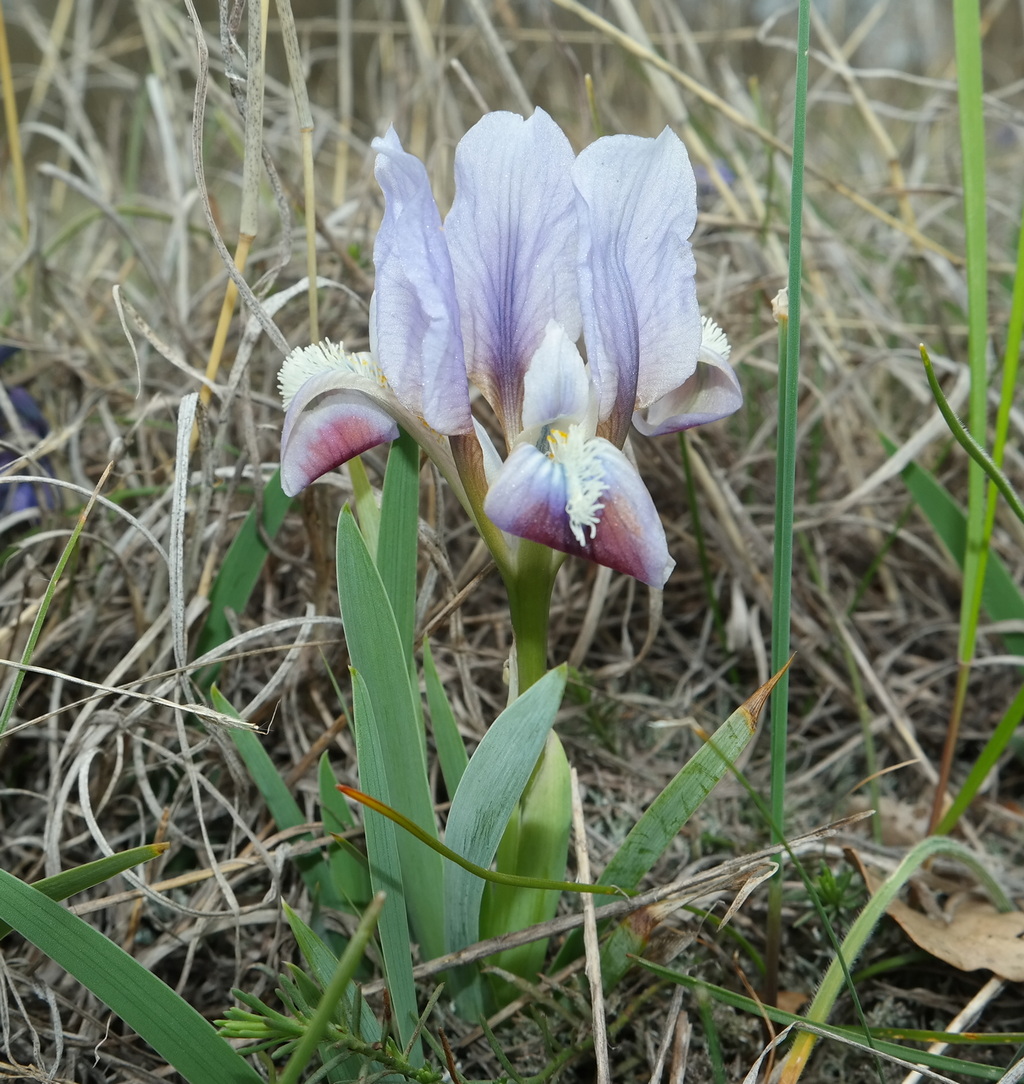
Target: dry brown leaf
[[976, 936]]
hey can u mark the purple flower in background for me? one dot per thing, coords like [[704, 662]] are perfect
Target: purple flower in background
[[540, 246], [21, 499]]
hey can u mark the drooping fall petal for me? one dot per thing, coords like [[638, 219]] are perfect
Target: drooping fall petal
[[512, 237], [343, 424], [637, 205], [713, 392], [585, 499]]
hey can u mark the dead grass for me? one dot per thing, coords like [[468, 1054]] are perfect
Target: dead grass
[[106, 99]]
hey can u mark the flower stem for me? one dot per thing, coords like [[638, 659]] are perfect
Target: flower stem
[[529, 599]]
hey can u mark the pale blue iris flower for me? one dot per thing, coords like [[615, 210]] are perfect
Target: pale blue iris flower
[[540, 248]]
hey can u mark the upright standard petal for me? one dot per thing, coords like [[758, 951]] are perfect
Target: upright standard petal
[[415, 312], [512, 237], [637, 206], [713, 392], [584, 498], [555, 386]]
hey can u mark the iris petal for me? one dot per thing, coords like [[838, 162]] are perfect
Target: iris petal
[[598, 509], [512, 237], [416, 315], [637, 207], [326, 425], [713, 392], [556, 385]]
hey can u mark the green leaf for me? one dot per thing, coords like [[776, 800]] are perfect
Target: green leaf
[[398, 547], [70, 881], [170, 1025], [536, 843], [674, 806], [451, 749], [488, 793], [666, 815], [389, 738], [388, 874], [348, 867], [240, 570]]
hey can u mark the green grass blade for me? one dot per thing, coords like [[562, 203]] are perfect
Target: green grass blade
[[282, 806], [987, 462], [70, 881], [338, 987], [183, 1038], [451, 749], [759, 1009], [240, 570], [785, 468], [991, 752], [389, 740], [1000, 596], [1011, 366], [665, 816], [860, 932], [390, 872], [44, 606], [967, 32], [785, 489]]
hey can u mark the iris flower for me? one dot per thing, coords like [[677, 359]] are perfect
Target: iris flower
[[541, 250], [22, 501]]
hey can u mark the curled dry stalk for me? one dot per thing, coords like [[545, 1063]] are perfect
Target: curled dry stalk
[[297, 79], [248, 221]]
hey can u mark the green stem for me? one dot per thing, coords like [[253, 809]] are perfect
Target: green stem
[[785, 487], [536, 840], [529, 601]]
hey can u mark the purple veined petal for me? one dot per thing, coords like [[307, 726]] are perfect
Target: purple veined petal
[[556, 385], [415, 313], [712, 393], [512, 237], [637, 205], [333, 416], [584, 499]]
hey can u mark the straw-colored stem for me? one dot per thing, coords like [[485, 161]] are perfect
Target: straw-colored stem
[[227, 311], [344, 101], [13, 130], [309, 198]]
